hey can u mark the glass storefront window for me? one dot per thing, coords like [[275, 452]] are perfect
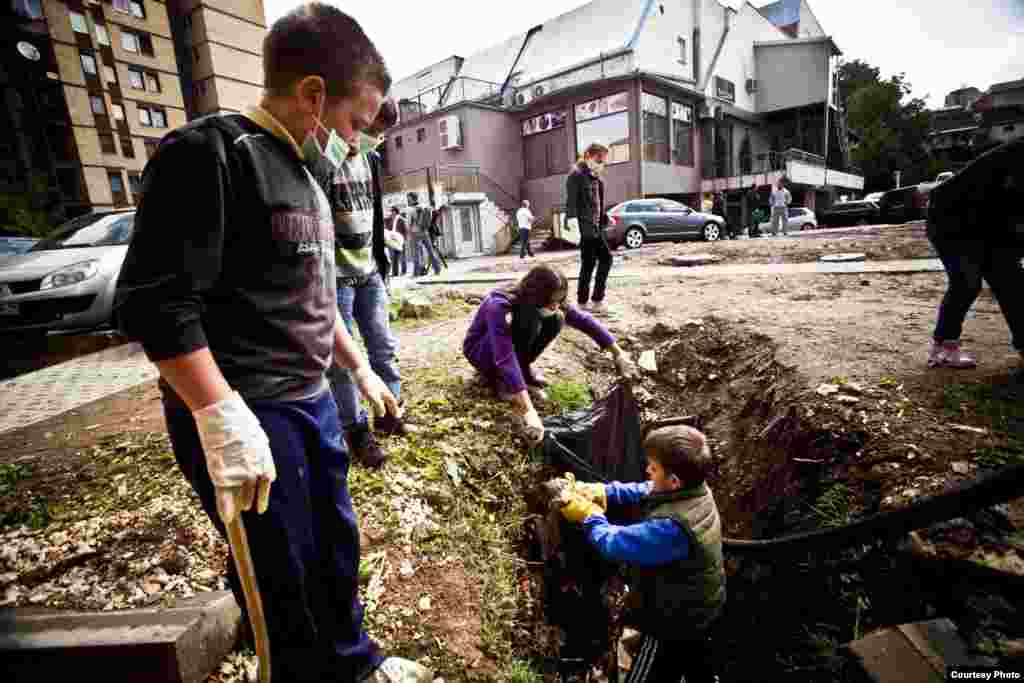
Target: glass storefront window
[[604, 120], [655, 127], [682, 134]]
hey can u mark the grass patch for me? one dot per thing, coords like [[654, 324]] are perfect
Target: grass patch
[[521, 672], [569, 395], [10, 475], [997, 404], [35, 514], [832, 508]]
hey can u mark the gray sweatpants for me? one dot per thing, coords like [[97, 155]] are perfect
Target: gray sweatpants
[[778, 219]]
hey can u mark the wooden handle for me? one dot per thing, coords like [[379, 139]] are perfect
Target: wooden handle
[[254, 603]]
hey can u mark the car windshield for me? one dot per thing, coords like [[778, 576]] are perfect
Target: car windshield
[[92, 230]]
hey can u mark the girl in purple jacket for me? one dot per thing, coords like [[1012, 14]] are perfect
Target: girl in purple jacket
[[514, 326]]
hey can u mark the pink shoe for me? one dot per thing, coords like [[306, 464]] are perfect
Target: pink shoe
[[948, 354]]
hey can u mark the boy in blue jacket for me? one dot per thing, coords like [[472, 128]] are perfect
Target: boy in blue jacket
[[674, 555]]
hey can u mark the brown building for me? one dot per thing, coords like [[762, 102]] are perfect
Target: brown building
[[90, 86]]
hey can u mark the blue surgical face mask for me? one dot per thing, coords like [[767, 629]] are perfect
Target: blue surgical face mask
[[334, 152]]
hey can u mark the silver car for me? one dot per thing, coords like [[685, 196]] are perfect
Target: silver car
[[67, 280], [638, 221], [797, 218]]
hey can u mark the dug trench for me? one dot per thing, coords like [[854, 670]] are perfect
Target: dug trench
[[790, 462]]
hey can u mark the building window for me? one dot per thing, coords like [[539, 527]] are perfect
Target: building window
[[150, 146], [681, 42], [398, 142], [109, 75], [152, 82], [139, 43], [98, 108], [107, 143], [421, 134], [123, 6], [655, 129], [102, 37], [605, 120], [546, 144], [117, 110], [135, 183], [128, 149], [137, 9], [682, 134], [135, 79], [117, 187], [78, 24], [725, 89], [88, 64], [152, 117], [28, 9]]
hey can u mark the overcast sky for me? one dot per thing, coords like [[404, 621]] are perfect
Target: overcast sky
[[940, 45]]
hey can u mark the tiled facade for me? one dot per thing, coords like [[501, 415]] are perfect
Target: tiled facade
[[119, 67]]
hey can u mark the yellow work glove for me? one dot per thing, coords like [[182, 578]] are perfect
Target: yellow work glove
[[579, 508], [594, 492]]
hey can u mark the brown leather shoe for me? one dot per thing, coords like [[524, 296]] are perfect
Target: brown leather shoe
[[365, 449]]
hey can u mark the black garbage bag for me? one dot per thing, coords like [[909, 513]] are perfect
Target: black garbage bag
[[599, 443]]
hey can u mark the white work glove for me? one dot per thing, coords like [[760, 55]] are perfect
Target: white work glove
[[533, 427], [238, 456], [626, 368], [373, 389], [573, 224]]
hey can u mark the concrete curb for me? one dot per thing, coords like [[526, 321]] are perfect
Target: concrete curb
[[178, 645]]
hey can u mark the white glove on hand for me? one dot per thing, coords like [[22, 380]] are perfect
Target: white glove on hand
[[238, 456], [373, 389], [626, 368], [573, 224], [533, 426]]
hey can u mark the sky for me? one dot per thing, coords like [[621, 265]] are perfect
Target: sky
[[941, 45]]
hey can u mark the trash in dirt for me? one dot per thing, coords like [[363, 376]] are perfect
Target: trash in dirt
[[451, 466], [961, 467], [827, 389], [647, 361], [406, 570], [694, 322], [843, 398], [424, 603], [971, 430], [122, 489]]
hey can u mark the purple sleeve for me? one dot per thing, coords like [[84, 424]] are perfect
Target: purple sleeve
[[588, 325], [505, 361]]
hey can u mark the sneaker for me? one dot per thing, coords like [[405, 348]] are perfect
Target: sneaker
[[398, 670], [948, 354], [364, 447], [535, 378], [598, 307]]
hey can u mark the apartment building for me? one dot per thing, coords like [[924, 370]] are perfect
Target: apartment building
[[692, 96], [91, 86]]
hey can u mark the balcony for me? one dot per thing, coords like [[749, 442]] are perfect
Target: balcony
[[796, 165], [461, 89]]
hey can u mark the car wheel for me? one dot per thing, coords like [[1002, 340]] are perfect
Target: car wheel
[[634, 238], [712, 232], [807, 226]]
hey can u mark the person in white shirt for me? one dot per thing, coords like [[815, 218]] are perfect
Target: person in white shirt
[[525, 219], [780, 199], [396, 242]]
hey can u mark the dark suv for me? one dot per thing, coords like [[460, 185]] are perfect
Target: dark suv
[[904, 204], [850, 213]]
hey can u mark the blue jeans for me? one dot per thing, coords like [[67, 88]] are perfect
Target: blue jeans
[[967, 262], [367, 307], [305, 547], [419, 266]]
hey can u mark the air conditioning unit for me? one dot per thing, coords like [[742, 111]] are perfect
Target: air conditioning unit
[[538, 91], [707, 112], [449, 129], [751, 85], [719, 114], [523, 98]]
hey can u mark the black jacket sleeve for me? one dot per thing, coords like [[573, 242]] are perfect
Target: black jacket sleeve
[[572, 195], [176, 248], [380, 252]]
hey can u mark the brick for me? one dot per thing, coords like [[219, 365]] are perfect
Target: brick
[[912, 652], [178, 645]]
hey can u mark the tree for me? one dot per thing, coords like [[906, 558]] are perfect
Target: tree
[[893, 130], [25, 213]]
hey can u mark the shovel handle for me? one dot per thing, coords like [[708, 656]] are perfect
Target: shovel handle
[[254, 603]]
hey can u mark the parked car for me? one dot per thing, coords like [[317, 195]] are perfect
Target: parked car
[[12, 246], [797, 218], [944, 176], [638, 221], [873, 197], [842, 214], [904, 204], [66, 281]]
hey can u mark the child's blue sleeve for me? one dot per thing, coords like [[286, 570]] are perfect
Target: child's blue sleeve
[[619, 493], [649, 543]]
